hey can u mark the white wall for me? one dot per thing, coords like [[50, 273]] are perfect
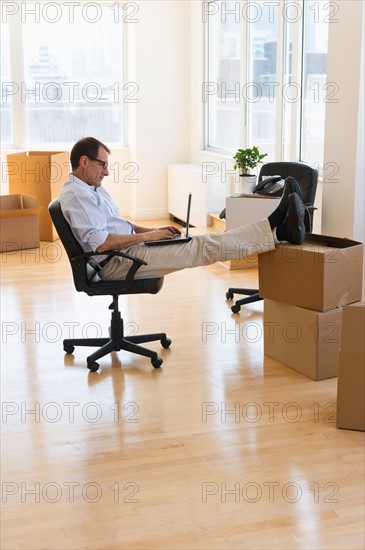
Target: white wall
[[344, 139], [160, 52], [359, 214]]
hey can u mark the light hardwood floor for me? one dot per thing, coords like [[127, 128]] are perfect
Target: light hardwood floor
[[219, 448]]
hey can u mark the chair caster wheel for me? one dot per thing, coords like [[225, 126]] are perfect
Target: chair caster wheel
[[93, 367], [229, 295], [156, 363], [69, 349], [166, 343], [235, 309]]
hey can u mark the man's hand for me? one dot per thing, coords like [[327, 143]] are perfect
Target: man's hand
[[120, 242], [171, 228], [167, 232]]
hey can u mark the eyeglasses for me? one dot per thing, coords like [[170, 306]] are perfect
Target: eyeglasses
[[103, 164]]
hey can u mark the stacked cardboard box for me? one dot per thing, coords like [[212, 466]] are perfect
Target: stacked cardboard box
[[40, 174], [305, 288], [19, 222], [351, 372]]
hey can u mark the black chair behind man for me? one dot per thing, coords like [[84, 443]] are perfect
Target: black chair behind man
[[86, 279], [307, 177]]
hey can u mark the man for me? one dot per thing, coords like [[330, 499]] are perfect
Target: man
[[98, 226]]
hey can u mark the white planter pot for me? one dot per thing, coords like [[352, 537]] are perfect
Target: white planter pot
[[247, 184]]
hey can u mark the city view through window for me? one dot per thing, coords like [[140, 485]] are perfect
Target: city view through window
[[73, 80]]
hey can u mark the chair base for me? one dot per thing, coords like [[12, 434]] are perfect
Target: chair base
[[117, 342], [252, 296], [107, 345]]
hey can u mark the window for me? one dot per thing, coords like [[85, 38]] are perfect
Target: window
[[266, 77], [5, 107], [224, 52], [316, 91], [72, 78], [262, 78]]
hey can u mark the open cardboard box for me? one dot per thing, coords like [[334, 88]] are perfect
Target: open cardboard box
[[40, 174], [19, 222], [322, 274], [308, 341]]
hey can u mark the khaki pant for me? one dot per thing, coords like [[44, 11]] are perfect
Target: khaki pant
[[206, 249]]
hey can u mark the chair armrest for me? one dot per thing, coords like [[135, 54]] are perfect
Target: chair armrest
[[137, 262], [110, 253]]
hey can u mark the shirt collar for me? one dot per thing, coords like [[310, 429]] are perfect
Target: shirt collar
[[74, 179]]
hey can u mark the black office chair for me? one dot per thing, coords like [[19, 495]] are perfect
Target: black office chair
[[307, 177], [86, 279]]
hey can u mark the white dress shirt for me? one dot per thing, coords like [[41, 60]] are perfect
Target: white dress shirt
[[92, 214]]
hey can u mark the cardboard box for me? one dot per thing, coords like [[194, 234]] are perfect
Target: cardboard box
[[321, 274], [19, 222], [351, 372], [303, 339], [40, 174]]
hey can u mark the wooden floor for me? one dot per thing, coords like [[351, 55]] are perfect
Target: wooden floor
[[220, 448]]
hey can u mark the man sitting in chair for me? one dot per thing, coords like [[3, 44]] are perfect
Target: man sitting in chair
[[98, 226]]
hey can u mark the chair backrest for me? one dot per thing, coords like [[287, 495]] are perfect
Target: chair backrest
[[82, 272], [306, 176]]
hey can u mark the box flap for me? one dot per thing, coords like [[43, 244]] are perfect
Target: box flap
[[12, 206], [328, 241], [19, 154], [10, 202], [35, 153], [29, 202]]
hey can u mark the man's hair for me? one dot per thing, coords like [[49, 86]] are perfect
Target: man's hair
[[88, 146]]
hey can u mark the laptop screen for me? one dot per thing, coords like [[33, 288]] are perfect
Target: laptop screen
[[188, 217]]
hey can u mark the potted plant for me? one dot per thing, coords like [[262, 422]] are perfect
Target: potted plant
[[246, 161]]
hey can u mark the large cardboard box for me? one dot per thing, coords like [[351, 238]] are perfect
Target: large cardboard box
[[321, 274], [351, 372], [303, 339], [19, 222], [40, 174]]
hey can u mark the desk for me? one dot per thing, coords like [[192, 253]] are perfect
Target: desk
[[207, 189], [242, 209]]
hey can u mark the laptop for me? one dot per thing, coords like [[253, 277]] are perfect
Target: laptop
[[180, 238]]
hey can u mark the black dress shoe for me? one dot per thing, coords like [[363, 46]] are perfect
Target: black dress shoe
[[291, 186], [278, 216], [292, 229]]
